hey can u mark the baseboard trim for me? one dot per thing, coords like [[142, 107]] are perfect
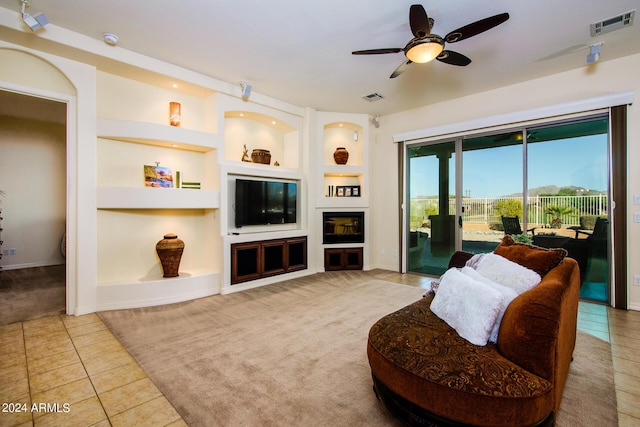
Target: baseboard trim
[[31, 265]]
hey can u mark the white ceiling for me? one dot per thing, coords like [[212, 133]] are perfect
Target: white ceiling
[[300, 51]]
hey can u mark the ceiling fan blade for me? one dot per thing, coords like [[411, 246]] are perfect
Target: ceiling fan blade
[[476, 28], [401, 69], [453, 58], [377, 51], [419, 21]]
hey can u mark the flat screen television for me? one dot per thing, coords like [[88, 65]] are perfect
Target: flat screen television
[[259, 202]]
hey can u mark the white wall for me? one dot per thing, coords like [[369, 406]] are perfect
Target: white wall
[[33, 177], [588, 82]]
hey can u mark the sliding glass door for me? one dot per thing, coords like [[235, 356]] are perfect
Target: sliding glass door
[[568, 180], [546, 185], [431, 237], [492, 182]]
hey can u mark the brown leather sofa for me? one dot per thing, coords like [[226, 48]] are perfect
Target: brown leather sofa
[[426, 374]]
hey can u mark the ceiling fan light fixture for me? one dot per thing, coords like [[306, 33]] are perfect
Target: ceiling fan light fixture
[[424, 50]]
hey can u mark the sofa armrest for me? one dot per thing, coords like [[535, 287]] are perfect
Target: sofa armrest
[[538, 329]]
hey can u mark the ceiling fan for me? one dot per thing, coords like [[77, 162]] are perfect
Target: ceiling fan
[[425, 46]]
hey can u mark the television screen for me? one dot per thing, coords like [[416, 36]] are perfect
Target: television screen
[[265, 202]]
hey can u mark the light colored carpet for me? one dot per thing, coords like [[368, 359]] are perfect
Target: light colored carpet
[[294, 354], [31, 293]]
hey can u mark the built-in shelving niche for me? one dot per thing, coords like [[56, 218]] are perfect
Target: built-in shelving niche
[[132, 218], [244, 130]]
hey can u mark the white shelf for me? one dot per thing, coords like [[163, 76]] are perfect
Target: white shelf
[[342, 202], [255, 169], [158, 135], [156, 290], [343, 170], [156, 198]]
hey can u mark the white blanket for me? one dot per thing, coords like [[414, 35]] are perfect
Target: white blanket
[[508, 273], [508, 295], [467, 305]]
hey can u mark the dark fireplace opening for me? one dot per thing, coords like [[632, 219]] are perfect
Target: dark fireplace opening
[[342, 227]]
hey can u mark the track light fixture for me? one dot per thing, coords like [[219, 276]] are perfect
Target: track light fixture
[[34, 22], [594, 53], [246, 90]]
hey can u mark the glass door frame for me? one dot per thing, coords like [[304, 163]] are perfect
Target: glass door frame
[[458, 139]]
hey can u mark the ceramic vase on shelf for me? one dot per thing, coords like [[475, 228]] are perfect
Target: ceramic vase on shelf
[[170, 251], [259, 155], [341, 156]]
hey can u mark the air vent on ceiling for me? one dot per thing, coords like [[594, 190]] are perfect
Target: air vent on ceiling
[[611, 24], [372, 97]]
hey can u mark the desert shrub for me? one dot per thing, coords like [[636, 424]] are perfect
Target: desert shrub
[[509, 207]]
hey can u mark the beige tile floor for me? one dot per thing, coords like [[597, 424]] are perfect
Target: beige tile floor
[[71, 371], [77, 367]]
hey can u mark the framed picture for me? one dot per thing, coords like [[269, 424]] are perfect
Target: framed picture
[[346, 191], [158, 177]]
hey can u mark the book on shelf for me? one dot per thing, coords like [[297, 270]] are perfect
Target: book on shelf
[[190, 185]]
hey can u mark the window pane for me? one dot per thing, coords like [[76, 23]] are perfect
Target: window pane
[[568, 183], [492, 187]]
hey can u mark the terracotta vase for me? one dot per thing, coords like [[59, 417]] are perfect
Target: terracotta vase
[[341, 156], [170, 251]]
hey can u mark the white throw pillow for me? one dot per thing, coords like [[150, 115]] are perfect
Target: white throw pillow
[[508, 295], [468, 306], [508, 273]]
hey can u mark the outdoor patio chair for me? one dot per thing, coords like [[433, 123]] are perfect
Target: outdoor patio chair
[[511, 225], [587, 224], [593, 247]]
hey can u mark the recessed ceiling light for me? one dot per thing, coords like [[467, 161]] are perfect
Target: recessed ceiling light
[[110, 39], [175, 85]]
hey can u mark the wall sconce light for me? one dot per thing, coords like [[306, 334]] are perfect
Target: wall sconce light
[[174, 114], [246, 90], [34, 22]]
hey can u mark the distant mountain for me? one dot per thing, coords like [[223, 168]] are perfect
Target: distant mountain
[[554, 189]]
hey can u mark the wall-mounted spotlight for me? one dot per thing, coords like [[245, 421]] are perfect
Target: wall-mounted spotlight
[[594, 53], [34, 22], [376, 121], [246, 90]]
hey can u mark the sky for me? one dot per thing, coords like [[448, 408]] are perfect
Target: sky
[[580, 162]]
